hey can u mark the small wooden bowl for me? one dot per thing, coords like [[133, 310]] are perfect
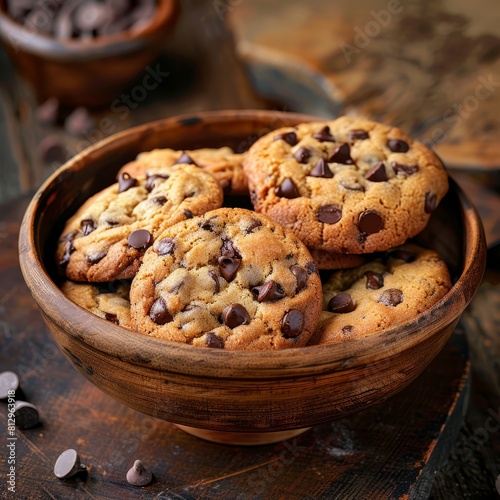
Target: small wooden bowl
[[235, 396], [85, 73]]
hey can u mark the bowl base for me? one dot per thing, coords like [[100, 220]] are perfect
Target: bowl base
[[242, 438]]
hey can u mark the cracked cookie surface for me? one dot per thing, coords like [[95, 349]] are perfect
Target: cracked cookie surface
[[231, 279], [223, 163], [378, 295], [349, 185], [108, 235]]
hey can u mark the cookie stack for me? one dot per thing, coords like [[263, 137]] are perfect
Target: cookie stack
[[323, 257]]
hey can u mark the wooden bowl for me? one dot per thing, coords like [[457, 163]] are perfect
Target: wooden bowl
[[235, 396], [85, 73]]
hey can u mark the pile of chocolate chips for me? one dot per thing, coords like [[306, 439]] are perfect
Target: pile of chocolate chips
[[81, 19]]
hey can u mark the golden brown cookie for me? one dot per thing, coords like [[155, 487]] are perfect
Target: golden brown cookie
[[383, 293], [107, 237], [229, 279], [349, 185]]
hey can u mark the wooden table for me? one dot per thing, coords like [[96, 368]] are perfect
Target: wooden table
[[391, 450]]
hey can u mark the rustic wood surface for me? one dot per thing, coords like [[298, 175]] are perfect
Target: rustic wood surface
[[391, 450]]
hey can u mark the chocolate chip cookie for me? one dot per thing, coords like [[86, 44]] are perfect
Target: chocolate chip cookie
[[223, 163], [331, 260], [231, 279], [378, 295], [349, 185], [109, 301], [107, 237]]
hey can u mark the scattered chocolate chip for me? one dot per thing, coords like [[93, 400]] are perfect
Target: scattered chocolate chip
[[254, 224], [151, 180], [159, 312], [268, 292], [214, 341], [138, 475], [215, 277], [321, 169], [292, 324], [352, 185], [48, 112], [165, 246], [235, 315], [287, 189], [391, 297], [402, 255], [88, 226], [399, 168], [229, 250], [125, 182], [377, 173], [113, 318], [311, 268], [370, 222], [68, 237], [358, 134], [329, 214], [79, 122], [374, 281], [398, 146], [188, 214], [324, 135], [26, 415], [68, 250], [430, 202], [140, 239], [301, 276], [159, 200], [288, 137], [347, 330], [228, 267], [342, 154], [68, 464], [341, 303], [302, 155], [95, 257], [52, 150], [185, 159], [9, 383]]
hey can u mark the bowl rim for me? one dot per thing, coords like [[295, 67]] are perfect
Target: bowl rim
[[163, 355], [20, 38]]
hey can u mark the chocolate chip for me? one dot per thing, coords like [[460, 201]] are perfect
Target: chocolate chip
[[321, 169], [95, 257], [358, 134], [26, 415], [342, 154], [159, 313], [229, 250], [254, 224], [125, 182], [292, 324], [185, 159], [214, 341], [329, 214], [140, 239], [288, 137], [268, 292], [370, 222], [68, 250], [188, 214], [341, 303], [302, 155], [347, 330], [404, 169], [165, 246], [113, 318], [301, 276], [402, 255], [235, 315], [228, 267], [324, 135], [398, 146], [377, 173], [88, 225], [159, 200], [215, 277], [311, 268], [138, 475], [9, 383], [391, 297], [374, 281], [151, 179], [352, 185], [79, 123], [68, 464], [68, 237], [430, 202], [287, 189]]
